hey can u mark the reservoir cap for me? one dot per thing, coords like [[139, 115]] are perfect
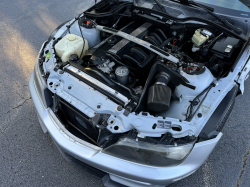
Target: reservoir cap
[[71, 37]]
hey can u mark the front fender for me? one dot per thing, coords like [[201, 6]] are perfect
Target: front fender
[[244, 76]]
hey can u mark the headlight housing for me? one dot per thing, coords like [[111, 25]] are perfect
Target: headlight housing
[[149, 154], [41, 85]]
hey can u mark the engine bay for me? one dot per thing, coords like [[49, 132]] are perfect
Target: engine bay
[[151, 70], [125, 66]]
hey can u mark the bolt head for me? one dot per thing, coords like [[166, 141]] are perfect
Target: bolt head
[[119, 108]]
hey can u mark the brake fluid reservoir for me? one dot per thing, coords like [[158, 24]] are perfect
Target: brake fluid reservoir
[[198, 38], [71, 44]]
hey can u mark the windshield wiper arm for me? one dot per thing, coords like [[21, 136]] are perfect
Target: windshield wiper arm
[[161, 6], [188, 2], [210, 11]]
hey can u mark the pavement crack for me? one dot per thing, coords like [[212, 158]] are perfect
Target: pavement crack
[[16, 107], [243, 167], [20, 104], [8, 112]]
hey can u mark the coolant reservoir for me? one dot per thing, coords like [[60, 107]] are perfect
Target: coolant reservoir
[[71, 44], [89, 33]]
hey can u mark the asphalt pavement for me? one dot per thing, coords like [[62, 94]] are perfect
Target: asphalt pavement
[[29, 158]]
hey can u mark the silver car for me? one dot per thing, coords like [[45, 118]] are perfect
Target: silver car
[[138, 91]]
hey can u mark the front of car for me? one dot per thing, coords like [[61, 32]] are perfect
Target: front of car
[[139, 95]]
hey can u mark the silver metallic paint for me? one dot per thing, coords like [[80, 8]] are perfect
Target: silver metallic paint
[[125, 170]]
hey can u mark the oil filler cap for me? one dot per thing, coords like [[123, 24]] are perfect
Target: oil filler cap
[[122, 74]]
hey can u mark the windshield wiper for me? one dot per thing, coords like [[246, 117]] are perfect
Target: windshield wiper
[[210, 11], [161, 6]]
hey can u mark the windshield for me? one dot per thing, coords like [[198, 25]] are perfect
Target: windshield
[[229, 7], [226, 7]]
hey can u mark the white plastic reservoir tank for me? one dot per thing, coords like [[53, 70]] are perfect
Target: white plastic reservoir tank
[[71, 44], [92, 35]]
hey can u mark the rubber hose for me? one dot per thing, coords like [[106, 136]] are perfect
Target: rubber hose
[[90, 70], [167, 41], [134, 97]]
